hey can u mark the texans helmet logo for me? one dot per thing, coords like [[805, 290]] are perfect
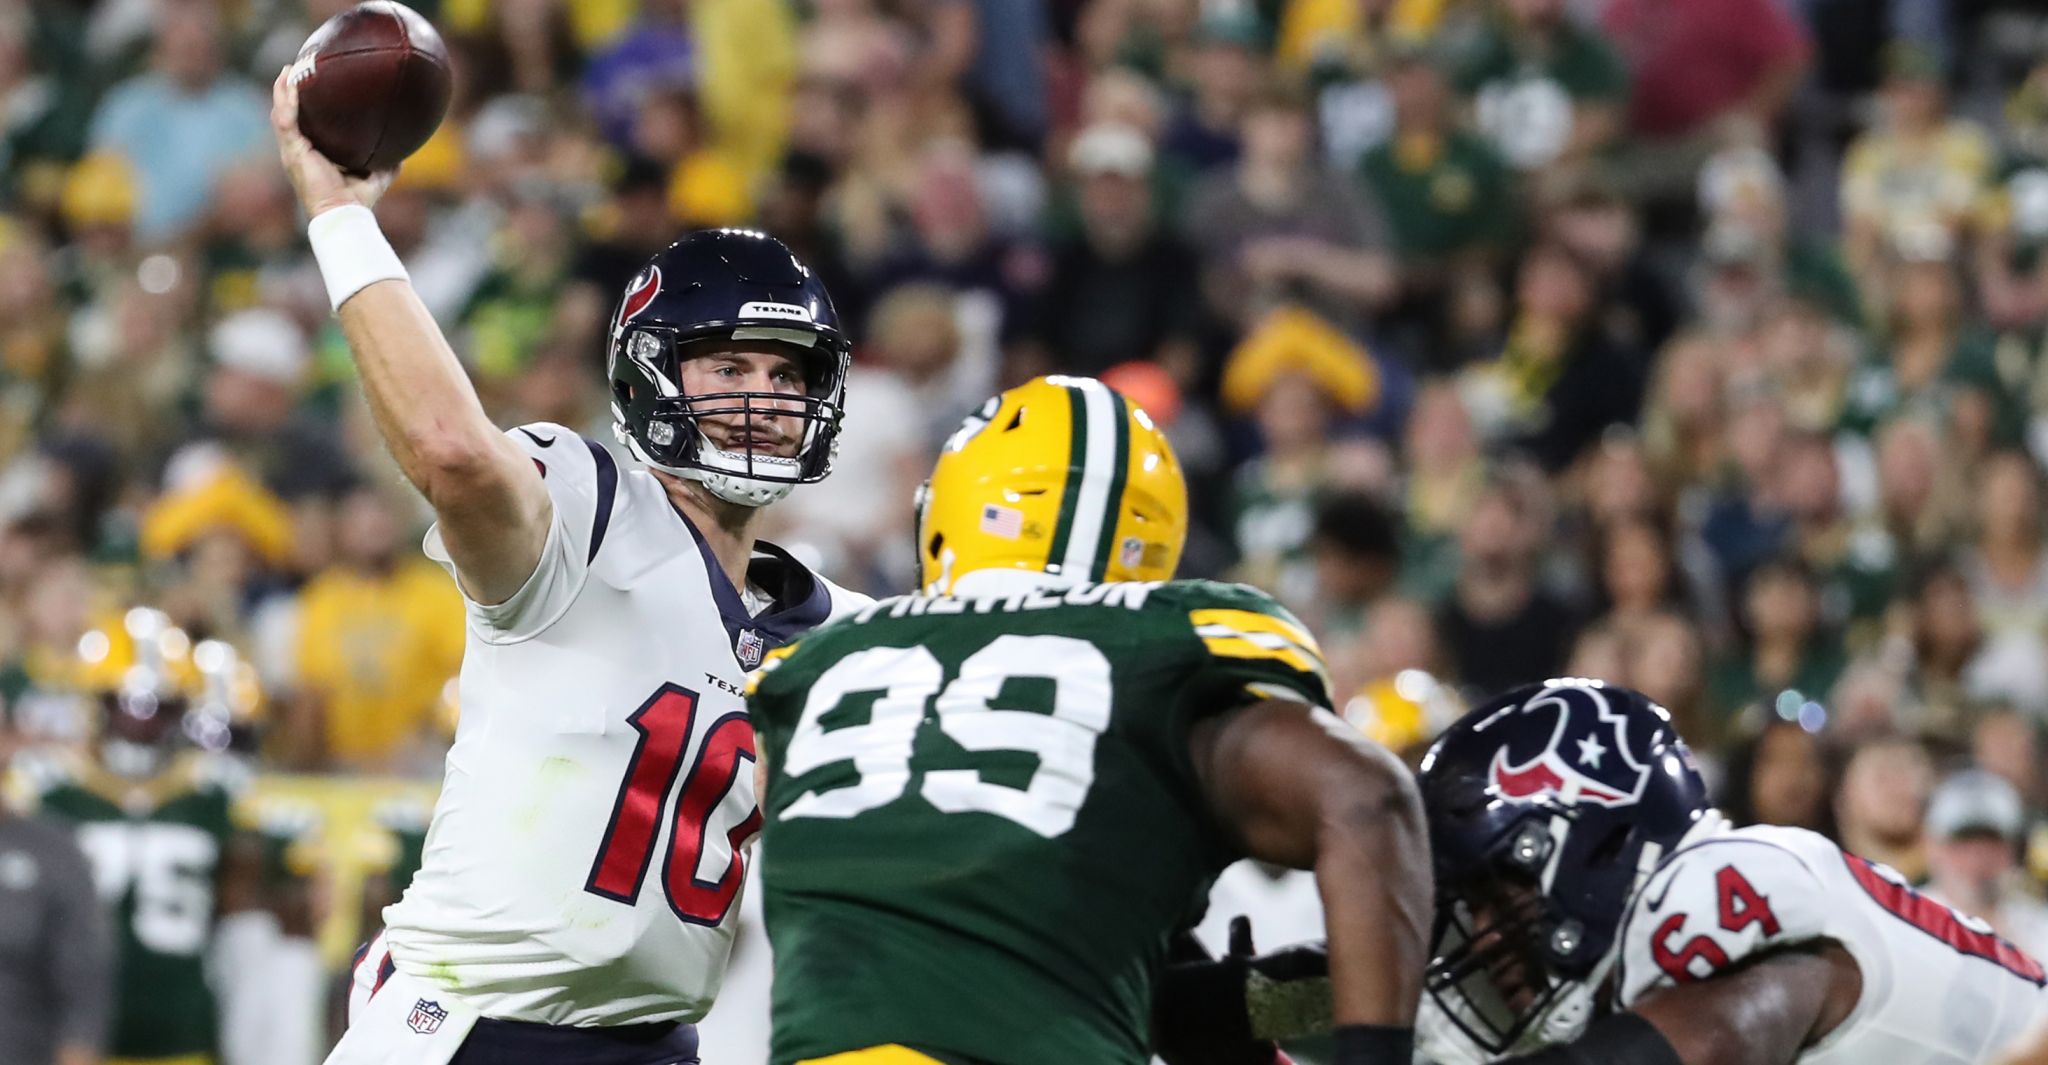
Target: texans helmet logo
[[1584, 757], [646, 286]]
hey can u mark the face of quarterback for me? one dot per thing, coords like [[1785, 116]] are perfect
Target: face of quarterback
[[755, 426]]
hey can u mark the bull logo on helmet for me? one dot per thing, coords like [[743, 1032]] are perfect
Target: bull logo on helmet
[[1585, 757]]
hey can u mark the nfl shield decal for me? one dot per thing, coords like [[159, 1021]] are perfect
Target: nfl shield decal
[[426, 1016], [748, 648]]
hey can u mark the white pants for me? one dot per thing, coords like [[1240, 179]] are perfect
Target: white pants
[[394, 1019]]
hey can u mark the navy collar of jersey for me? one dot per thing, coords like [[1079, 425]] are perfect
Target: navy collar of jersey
[[798, 599]]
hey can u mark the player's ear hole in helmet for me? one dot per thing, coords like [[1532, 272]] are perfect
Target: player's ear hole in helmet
[[1548, 808], [1059, 475], [727, 291]]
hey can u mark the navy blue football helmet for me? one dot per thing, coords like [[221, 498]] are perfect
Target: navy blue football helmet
[[1548, 807], [718, 287]]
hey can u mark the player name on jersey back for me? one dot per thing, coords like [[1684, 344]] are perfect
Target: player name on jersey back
[[1129, 596]]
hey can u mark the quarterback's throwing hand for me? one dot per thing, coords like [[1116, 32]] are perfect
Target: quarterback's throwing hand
[[320, 184]]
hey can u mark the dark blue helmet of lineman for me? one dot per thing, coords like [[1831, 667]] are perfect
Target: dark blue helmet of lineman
[[1549, 806], [726, 289]]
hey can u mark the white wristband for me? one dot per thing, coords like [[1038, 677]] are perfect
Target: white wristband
[[352, 252]]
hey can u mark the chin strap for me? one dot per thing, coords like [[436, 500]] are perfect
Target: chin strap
[[733, 487], [725, 474], [738, 490], [1567, 1017]]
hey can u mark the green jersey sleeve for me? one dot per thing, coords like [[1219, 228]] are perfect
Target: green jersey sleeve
[[1252, 649]]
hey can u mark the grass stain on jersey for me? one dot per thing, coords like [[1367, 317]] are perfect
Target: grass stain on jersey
[[591, 922], [442, 974], [555, 774]]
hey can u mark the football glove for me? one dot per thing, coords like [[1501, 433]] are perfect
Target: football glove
[[1229, 1010]]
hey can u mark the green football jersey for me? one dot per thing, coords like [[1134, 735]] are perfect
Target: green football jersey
[[155, 849], [983, 823]]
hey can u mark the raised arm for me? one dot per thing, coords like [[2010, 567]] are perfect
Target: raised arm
[[489, 499], [1297, 787]]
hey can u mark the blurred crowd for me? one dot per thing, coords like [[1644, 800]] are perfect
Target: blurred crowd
[[1693, 344]]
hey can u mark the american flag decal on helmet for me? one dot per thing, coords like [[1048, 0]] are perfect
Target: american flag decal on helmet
[[999, 520]]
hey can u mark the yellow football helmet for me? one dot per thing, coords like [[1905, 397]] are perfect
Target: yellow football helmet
[[140, 653], [1059, 475], [155, 685]]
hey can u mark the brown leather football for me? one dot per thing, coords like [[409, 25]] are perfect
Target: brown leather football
[[373, 85]]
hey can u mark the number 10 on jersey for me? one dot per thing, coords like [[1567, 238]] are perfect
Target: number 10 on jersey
[[664, 723]]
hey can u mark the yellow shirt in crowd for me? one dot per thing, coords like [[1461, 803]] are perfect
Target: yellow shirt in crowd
[[1917, 192], [377, 652]]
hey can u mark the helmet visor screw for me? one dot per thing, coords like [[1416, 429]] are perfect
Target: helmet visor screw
[[1530, 847], [1564, 939]]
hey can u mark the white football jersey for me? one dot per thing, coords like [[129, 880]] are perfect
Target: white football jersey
[[1938, 987], [588, 848]]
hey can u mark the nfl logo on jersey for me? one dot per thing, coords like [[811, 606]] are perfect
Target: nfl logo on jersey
[[748, 648], [426, 1017]]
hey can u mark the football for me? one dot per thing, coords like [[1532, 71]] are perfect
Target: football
[[373, 83]]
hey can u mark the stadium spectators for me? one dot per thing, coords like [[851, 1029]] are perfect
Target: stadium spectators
[[1974, 823], [185, 123], [378, 643], [1699, 344]]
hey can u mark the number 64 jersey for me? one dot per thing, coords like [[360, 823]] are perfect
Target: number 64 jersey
[[1938, 988]]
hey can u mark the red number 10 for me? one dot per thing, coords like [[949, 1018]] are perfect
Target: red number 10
[[664, 722]]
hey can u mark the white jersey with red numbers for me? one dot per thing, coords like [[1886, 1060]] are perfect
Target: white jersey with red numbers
[[1938, 988], [587, 851]]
